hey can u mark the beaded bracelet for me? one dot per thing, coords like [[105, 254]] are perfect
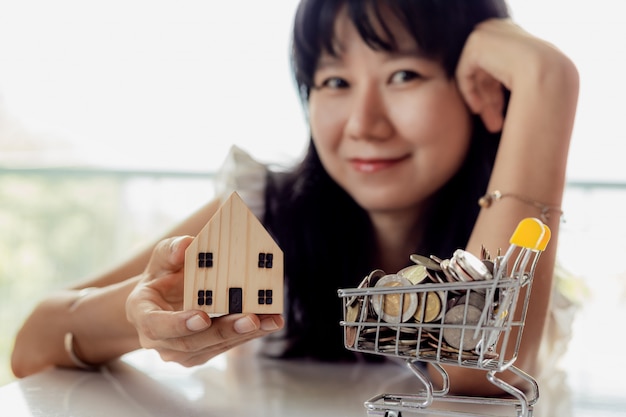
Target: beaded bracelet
[[486, 201]]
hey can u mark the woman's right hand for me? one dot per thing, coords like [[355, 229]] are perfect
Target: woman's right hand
[[191, 337]]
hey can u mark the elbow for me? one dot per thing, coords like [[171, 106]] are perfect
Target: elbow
[[22, 365], [474, 382], [26, 359], [19, 365]]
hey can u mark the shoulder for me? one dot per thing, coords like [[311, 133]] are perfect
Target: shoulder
[[242, 173]]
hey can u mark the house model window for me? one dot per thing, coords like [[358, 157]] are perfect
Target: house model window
[[205, 297], [205, 259], [233, 265], [266, 260], [265, 297]]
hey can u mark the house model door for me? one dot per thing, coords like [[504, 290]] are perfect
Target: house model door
[[235, 300]]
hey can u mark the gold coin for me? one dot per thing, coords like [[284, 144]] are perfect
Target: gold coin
[[428, 307], [352, 313], [350, 336], [387, 306], [414, 273]]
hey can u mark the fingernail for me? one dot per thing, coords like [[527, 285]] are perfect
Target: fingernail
[[244, 325], [269, 324], [196, 323]]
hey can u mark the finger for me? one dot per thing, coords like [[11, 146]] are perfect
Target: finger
[[485, 97], [158, 324], [198, 348], [201, 356], [271, 322], [491, 99], [227, 330], [266, 323], [168, 255], [189, 360], [468, 89]]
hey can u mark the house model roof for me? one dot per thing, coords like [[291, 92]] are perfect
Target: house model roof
[[233, 265]]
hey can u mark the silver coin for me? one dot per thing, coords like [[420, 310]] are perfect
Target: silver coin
[[458, 272], [475, 299], [364, 284], [462, 336], [445, 268], [436, 276], [490, 265], [472, 265], [374, 276], [426, 262]]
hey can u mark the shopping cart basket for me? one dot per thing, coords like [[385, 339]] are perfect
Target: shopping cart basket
[[459, 311]]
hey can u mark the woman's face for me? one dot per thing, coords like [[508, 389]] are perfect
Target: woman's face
[[390, 128]]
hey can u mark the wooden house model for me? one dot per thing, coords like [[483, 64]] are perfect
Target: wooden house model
[[233, 265]]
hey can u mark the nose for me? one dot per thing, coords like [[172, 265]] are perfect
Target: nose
[[368, 118]]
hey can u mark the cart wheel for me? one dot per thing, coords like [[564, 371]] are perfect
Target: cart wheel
[[391, 413]]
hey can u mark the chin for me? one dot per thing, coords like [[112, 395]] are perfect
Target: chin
[[384, 203]]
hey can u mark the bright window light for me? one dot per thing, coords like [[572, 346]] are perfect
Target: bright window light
[[171, 85]]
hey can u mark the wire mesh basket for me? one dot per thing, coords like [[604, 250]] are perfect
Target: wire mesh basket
[[465, 311]]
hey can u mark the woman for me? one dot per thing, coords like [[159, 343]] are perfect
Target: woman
[[416, 110]]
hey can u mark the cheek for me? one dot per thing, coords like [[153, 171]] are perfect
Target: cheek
[[439, 127], [326, 124], [439, 120]]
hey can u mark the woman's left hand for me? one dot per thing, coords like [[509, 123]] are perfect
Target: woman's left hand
[[497, 54]]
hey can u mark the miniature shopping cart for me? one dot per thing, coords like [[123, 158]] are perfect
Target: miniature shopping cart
[[459, 311]]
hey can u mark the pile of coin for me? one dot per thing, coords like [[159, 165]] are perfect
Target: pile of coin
[[419, 321]]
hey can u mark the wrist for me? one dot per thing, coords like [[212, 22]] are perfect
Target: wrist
[[98, 326], [72, 352], [69, 343]]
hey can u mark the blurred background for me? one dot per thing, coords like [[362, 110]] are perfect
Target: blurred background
[[114, 116]]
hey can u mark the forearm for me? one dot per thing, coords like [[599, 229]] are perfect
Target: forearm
[[97, 320], [531, 162], [533, 155]]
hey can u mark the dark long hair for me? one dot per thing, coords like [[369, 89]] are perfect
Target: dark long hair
[[327, 238]]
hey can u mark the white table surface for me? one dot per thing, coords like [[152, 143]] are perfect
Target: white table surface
[[140, 384]]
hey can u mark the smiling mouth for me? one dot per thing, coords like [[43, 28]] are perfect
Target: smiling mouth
[[375, 165]]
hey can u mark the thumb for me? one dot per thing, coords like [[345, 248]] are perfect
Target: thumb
[[168, 255]]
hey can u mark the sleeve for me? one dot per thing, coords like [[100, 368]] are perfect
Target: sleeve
[[566, 303], [568, 294], [243, 174]]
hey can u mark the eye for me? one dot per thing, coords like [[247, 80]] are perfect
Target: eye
[[333, 83], [403, 76]]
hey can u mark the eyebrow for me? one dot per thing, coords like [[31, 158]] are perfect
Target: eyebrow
[[328, 60]]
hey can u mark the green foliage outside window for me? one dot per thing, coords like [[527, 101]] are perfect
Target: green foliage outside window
[[60, 228], [54, 231]]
